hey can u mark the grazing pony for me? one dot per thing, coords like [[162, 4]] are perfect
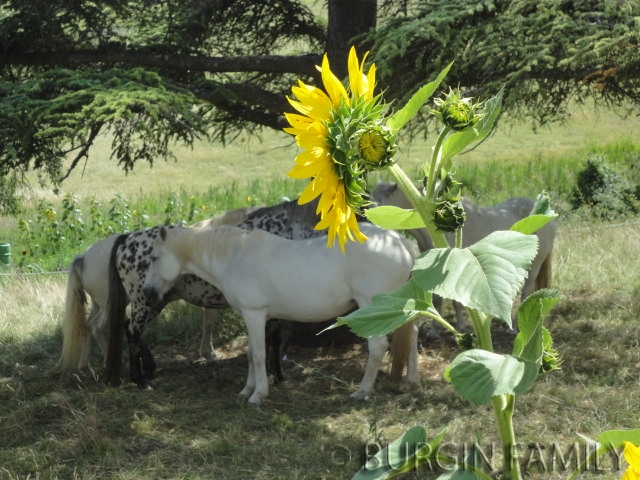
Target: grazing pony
[[265, 276], [89, 274], [479, 223], [130, 258]]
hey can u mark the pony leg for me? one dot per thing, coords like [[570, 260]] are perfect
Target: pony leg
[[412, 379], [377, 348], [459, 308], [206, 345], [257, 387]]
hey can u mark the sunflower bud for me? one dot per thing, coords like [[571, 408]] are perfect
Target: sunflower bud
[[449, 188], [377, 147], [458, 113], [550, 360], [449, 216], [465, 341]]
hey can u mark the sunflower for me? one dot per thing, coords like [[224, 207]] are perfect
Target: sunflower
[[342, 137], [632, 456]]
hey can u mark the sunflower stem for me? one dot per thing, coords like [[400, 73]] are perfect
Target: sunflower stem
[[434, 166], [425, 206]]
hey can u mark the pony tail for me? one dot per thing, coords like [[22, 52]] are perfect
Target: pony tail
[[115, 315], [400, 350], [74, 323]]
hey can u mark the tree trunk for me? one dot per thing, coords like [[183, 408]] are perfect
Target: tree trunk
[[347, 20]]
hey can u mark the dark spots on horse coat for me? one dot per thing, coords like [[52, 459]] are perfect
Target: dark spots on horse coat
[[287, 219]]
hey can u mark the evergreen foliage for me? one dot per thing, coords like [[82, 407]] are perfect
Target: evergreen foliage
[[544, 53], [155, 72]]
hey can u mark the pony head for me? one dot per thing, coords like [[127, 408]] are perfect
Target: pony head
[[164, 268]]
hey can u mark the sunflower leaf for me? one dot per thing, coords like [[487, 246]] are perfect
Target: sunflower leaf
[[406, 113], [388, 311], [485, 276], [394, 218]]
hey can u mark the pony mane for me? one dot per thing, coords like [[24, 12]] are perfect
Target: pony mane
[[221, 238], [230, 217]]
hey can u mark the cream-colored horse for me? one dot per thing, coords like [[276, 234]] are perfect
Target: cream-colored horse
[[479, 223], [264, 276]]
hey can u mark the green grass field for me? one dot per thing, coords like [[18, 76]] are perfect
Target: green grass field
[[192, 425]]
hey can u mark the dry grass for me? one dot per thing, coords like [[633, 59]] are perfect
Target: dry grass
[[193, 424]]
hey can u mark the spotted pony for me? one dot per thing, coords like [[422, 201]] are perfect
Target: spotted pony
[[129, 262]]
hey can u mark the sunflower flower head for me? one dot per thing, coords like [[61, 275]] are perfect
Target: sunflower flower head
[[632, 456], [342, 134], [457, 112]]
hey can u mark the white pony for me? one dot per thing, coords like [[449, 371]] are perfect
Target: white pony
[[89, 274], [265, 276], [479, 223]]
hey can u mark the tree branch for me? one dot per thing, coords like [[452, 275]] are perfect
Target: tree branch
[[298, 64]]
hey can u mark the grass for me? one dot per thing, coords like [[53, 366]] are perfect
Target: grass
[[192, 425]]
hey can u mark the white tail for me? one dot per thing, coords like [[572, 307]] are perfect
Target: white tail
[[74, 327]]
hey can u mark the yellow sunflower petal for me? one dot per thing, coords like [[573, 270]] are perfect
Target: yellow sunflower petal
[[308, 194], [299, 123], [308, 140], [632, 455], [359, 83], [331, 186], [352, 223], [355, 76], [308, 127], [304, 171], [314, 155], [317, 185], [312, 102], [332, 85], [371, 82]]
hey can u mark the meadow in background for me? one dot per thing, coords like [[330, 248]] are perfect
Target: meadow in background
[[72, 426]]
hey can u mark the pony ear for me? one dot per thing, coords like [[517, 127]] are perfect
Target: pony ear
[[163, 233]]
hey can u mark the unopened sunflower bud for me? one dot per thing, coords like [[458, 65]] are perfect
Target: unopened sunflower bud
[[550, 360], [465, 341], [449, 188], [458, 113], [449, 216], [377, 147]]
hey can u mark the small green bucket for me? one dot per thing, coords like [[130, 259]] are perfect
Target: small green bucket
[[5, 253]]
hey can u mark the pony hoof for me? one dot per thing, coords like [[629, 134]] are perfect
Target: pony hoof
[[410, 387], [246, 392], [360, 395], [255, 399]]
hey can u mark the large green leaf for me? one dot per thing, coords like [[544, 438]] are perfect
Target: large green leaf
[[485, 276], [404, 454], [541, 214], [477, 375], [457, 141], [394, 218], [406, 113], [530, 341], [388, 311]]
